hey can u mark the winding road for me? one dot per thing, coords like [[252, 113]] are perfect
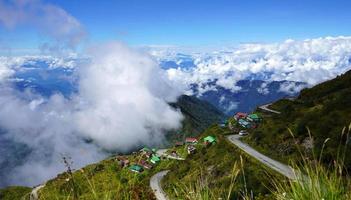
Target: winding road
[[287, 171], [265, 107], [269, 162], [34, 193], [155, 184]]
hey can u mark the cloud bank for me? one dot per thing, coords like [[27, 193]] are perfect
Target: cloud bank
[[122, 102], [310, 61], [125, 98]]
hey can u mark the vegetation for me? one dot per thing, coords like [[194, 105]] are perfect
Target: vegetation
[[206, 174], [322, 111], [104, 180], [315, 182], [199, 115], [15, 192], [212, 170]]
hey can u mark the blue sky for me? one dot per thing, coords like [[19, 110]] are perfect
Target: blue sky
[[195, 22]]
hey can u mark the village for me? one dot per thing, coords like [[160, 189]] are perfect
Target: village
[[149, 158], [240, 123]]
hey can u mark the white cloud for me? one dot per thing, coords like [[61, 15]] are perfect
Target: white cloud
[[232, 106], [311, 61], [263, 89], [291, 87], [122, 102], [5, 70], [49, 19], [126, 98]]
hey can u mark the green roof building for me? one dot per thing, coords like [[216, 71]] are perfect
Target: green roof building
[[210, 139], [136, 168], [155, 159], [244, 123], [254, 117]]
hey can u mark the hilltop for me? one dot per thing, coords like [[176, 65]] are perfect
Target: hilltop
[[316, 118]]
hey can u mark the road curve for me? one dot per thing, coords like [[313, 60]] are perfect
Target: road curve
[[273, 164], [155, 184], [34, 193], [265, 107]]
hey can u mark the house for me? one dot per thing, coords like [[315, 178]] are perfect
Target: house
[[178, 144], [254, 118], [240, 115], [123, 162], [244, 123], [191, 149], [209, 140], [191, 140], [147, 152], [155, 159], [136, 168], [145, 164]]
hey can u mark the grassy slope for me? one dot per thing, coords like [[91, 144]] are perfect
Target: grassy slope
[[110, 180], [14, 192], [107, 180], [213, 166], [324, 109], [115, 182], [104, 180]]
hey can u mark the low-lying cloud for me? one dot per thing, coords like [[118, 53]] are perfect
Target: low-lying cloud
[[122, 102], [310, 61], [121, 99], [125, 98]]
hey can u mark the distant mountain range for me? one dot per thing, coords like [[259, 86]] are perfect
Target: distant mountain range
[[252, 94], [244, 91]]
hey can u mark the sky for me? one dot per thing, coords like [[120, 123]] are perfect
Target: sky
[[194, 23]]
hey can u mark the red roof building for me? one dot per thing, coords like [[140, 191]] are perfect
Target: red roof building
[[191, 140], [240, 115], [177, 144], [145, 164]]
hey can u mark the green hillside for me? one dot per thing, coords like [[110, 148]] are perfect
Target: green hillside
[[323, 111], [107, 180], [209, 172], [14, 192], [198, 114], [315, 120]]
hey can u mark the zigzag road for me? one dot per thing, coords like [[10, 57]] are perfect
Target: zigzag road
[[281, 168]]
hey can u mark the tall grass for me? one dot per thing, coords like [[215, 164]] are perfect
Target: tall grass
[[314, 180], [201, 189]]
